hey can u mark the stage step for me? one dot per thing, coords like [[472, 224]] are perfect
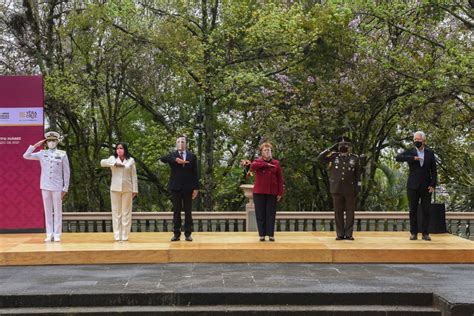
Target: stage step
[[233, 247], [222, 303], [218, 298], [362, 310]]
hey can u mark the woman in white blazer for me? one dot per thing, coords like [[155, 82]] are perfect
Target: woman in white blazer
[[123, 188]]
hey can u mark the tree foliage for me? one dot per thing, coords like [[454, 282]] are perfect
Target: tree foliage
[[230, 74]]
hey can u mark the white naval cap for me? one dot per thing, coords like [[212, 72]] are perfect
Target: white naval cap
[[52, 136]]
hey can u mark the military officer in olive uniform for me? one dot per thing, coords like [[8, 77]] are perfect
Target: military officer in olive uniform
[[54, 182], [344, 179]]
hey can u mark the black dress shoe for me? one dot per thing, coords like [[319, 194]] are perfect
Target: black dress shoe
[[189, 238], [339, 238], [175, 238], [262, 239], [413, 237], [271, 238], [349, 238], [427, 237]]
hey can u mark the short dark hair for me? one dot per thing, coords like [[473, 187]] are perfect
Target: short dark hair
[[125, 149]]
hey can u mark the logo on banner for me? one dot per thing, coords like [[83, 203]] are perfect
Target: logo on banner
[[21, 116], [29, 115]]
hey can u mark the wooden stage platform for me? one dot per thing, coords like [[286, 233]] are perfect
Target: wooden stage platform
[[309, 247]]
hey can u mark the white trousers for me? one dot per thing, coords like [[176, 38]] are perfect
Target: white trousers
[[53, 213], [121, 214]]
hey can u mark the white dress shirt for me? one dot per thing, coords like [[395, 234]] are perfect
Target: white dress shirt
[[421, 155]]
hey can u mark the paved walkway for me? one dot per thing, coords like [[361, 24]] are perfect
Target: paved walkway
[[455, 283]]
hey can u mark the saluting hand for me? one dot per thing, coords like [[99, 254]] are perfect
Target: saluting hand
[[41, 142]]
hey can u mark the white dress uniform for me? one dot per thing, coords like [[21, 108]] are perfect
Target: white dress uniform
[[124, 183], [55, 174]]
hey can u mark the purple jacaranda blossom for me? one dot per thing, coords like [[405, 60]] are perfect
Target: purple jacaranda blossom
[[354, 23], [267, 92], [282, 78]]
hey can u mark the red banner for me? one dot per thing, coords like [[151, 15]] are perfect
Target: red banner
[[21, 125]]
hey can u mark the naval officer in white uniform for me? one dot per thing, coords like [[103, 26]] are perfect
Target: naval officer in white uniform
[[123, 189], [54, 182]]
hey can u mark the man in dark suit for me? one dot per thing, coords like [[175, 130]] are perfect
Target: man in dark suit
[[344, 181], [183, 185], [421, 182]]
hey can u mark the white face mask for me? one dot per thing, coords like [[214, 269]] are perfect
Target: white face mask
[[52, 144], [181, 144]]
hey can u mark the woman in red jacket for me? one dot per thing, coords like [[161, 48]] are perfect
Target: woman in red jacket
[[267, 191]]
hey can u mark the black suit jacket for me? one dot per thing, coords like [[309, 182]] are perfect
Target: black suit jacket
[[183, 177], [420, 178]]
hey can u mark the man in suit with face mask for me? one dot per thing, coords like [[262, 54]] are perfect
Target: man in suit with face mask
[[344, 181], [54, 182], [183, 185], [421, 183]]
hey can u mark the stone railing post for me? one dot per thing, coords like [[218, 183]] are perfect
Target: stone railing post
[[251, 221]]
